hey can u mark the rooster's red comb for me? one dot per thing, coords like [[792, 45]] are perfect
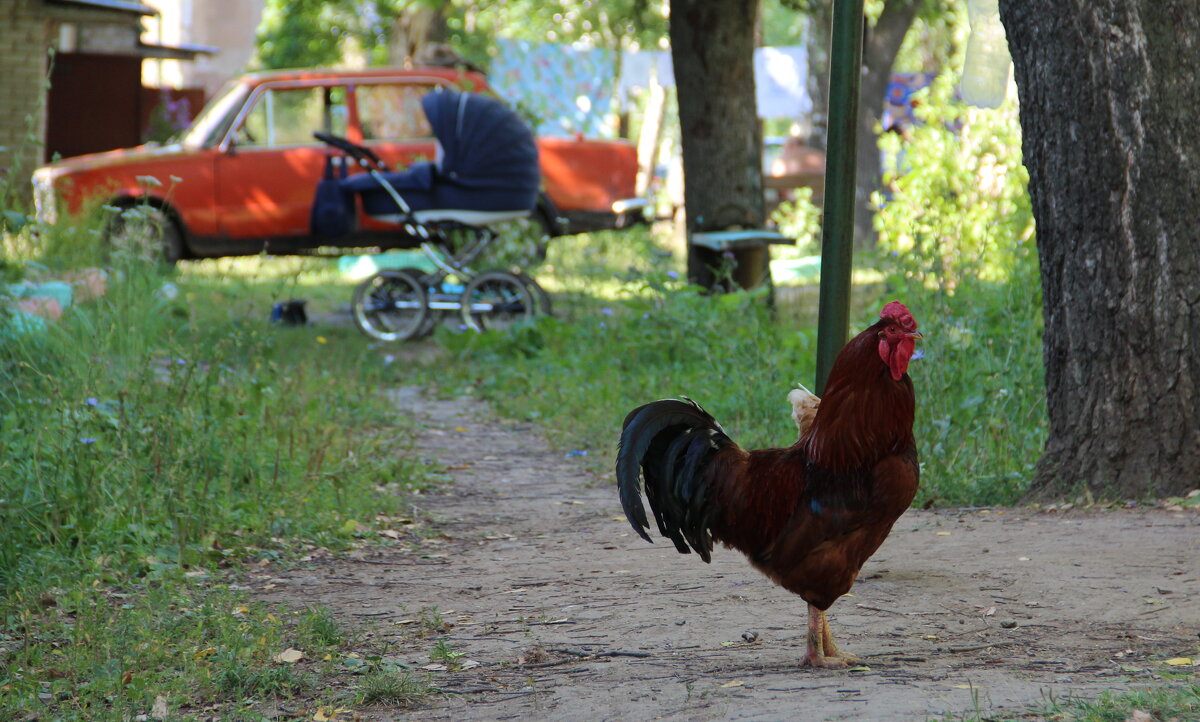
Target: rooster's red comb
[[899, 314]]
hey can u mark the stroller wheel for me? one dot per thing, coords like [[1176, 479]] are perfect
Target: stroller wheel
[[542, 305], [432, 290], [496, 300], [390, 306]]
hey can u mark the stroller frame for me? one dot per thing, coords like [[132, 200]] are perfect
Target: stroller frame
[[396, 305]]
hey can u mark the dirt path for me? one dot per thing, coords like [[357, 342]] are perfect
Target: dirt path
[[536, 568]]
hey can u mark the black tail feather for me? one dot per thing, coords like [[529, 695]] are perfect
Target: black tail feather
[[668, 444]]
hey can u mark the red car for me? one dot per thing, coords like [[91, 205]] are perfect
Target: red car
[[241, 179]]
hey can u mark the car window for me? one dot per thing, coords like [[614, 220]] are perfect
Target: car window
[[393, 112], [288, 116]]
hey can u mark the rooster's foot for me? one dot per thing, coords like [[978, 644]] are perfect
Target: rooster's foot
[[818, 661]]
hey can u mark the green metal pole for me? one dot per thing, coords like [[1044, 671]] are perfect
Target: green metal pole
[[837, 232]]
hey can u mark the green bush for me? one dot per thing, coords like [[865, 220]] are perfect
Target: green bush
[[955, 237]]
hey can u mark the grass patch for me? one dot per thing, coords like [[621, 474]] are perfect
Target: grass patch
[[629, 336], [1154, 704], [152, 439], [391, 686], [108, 652]]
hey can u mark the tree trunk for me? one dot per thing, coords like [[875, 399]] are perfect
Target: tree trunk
[[418, 36], [712, 48], [880, 47], [1109, 91]]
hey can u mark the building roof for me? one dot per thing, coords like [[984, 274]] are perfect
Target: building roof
[[119, 5], [182, 51]]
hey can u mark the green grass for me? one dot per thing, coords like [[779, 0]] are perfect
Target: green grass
[[1168, 703], [1160, 703], [150, 442], [391, 686], [633, 335]]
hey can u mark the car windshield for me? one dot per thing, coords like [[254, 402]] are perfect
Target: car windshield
[[210, 126]]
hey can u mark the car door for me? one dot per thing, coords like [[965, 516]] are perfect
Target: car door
[[269, 170]]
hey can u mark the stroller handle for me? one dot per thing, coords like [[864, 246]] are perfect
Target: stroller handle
[[364, 155]]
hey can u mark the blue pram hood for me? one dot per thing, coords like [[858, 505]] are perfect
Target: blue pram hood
[[489, 161]]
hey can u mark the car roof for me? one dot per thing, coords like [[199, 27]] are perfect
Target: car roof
[[302, 74]]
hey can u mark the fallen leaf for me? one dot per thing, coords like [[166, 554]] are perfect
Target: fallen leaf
[[1179, 662], [390, 533], [859, 668], [989, 611], [127, 677], [735, 683], [469, 664], [206, 652], [160, 710], [1022, 559], [963, 686], [1138, 715], [943, 533], [289, 656], [461, 429], [435, 667]]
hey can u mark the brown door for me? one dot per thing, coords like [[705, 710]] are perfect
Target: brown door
[[94, 104]]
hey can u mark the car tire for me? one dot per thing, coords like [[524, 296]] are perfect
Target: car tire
[[146, 233]]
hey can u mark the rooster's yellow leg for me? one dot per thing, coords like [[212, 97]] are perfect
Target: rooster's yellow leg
[[828, 645], [818, 634]]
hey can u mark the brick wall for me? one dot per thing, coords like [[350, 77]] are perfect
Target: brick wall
[[24, 38]]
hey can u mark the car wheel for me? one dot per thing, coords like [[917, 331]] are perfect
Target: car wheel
[[144, 233]]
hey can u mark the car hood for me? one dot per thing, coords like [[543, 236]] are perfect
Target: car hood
[[114, 158]]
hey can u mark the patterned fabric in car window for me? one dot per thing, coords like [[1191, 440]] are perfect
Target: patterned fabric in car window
[[393, 112]]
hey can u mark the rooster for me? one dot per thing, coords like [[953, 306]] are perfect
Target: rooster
[[807, 516]]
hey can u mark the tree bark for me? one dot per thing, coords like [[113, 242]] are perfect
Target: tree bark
[[712, 48], [417, 35], [1109, 91], [881, 44], [880, 47]]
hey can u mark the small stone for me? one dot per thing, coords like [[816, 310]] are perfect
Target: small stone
[[750, 636], [1009, 624], [681, 622]]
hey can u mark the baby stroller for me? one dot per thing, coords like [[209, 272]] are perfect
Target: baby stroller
[[486, 173]]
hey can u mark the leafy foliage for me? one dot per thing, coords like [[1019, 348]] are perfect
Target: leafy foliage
[[308, 33], [955, 231]]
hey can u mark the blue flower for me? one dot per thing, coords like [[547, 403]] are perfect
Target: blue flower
[[87, 440], [92, 401], [672, 274], [602, 325], [606, 311], [918, 354]]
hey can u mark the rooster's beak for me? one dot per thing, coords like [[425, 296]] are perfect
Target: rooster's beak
[[916, 335]]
